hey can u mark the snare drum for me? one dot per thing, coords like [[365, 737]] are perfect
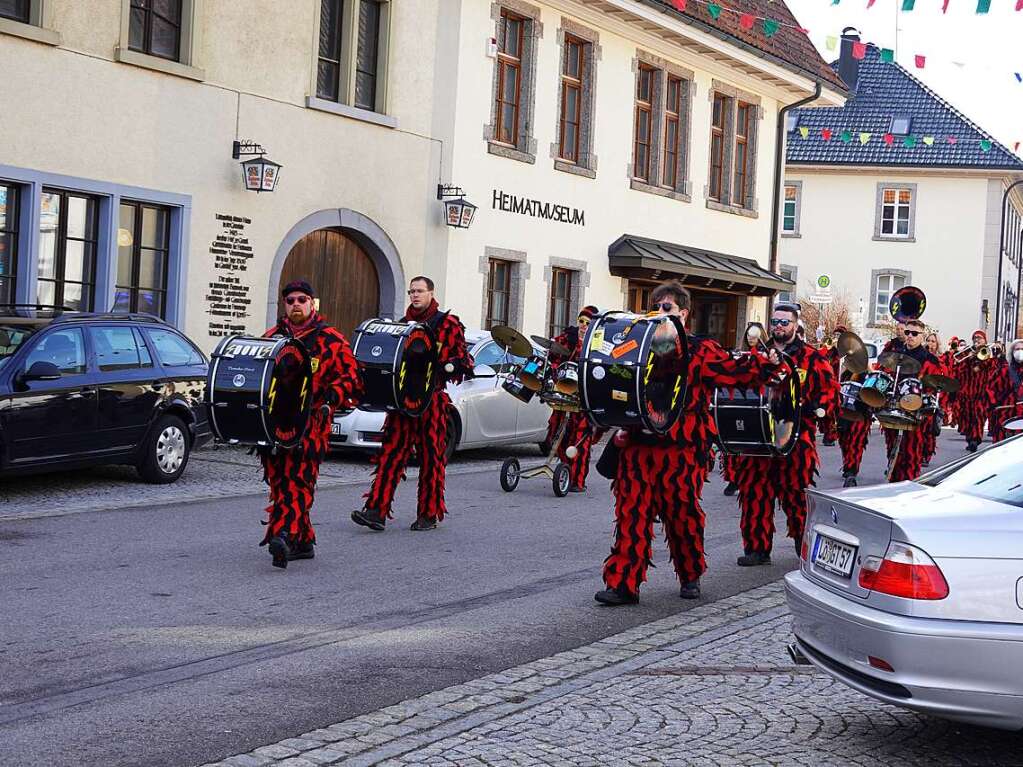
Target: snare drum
[[566, 381], [851, 406], [533, 372], [758, 422], [931, 404], [909, 394], [397, 361], [898, 419], [877, 384], [258, 391], [633, 371], [515, 387]]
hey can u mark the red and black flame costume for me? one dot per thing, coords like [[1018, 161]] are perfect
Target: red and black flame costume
[[829, 423], [291, 474], [1006, 390], [426, 434], [570, 340], [852, 440], [764, 480], [974, 375], [662, 476], [912, 452], [998, 369], [950, 400], [579, 432]]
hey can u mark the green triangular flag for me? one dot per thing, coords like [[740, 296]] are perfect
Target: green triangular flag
[[846, 136], [909, 142], [985, 146], [907, 5], [770, 27], [887, 54], [983, 6], [714, 10]]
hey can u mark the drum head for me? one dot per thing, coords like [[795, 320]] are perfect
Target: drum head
[[289, 394], [1016, 424], [784, 406], [414, 377]]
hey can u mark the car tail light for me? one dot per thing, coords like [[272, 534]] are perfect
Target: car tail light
[[804, 547], [906, 572], [880, 663]]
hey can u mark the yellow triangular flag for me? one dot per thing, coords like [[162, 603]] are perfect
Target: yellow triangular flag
[[804, 132], [864, 137], [831, 43], [929, 140]]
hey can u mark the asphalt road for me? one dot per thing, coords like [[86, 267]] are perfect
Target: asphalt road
[[160, 635]]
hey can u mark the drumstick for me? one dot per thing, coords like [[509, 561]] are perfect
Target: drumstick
[[1014, 404]]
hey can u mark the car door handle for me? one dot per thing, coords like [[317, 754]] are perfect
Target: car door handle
[[86, 391]]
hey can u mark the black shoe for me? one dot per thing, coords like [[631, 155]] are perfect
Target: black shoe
[[971, 446], [616, 597], [278, 547], [850, 481], [577, 489], [925, 464], [799, 546], [370, 518], [301, 551], [731, 488], [829, 443], [690, 590], [754, 559], [424, 523]]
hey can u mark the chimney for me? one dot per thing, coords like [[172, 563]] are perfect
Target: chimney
[[848, 67]]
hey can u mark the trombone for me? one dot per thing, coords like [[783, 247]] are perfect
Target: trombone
[[983, 353]]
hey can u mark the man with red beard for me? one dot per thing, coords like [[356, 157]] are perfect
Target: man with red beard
[[765, 480], [662, 476], [426, 434], [974, 375], [291, 474]]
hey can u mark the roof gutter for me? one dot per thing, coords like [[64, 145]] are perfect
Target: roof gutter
[[779, 165]]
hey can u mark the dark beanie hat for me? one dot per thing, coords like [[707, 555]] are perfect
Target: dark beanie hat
[[298, 286], [588, 312]]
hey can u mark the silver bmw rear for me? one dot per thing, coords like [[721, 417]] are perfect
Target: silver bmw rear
[[913, 593]]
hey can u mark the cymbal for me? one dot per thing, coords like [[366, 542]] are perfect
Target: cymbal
[[552, 346], [511, 340], [543, 343], [941, 383], [893, 360], [849, 343]]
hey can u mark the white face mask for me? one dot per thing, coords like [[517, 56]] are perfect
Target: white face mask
[[1017, 354]]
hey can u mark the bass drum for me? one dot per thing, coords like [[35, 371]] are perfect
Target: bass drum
[[633, 371], [397, 362], [259, 390], [751, 422]]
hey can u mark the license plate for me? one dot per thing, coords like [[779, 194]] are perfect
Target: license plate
[[833, 555], [335, 429]]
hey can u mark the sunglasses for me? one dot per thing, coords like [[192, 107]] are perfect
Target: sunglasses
[[666, 306], [784, 323], [291, 300], [912, 333]]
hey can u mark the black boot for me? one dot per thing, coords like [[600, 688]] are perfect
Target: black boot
[[731, 488], [690, 590], [301, 551], [829, 442], [616, 597], [754, 559], [424, 523], [370, 518], [850, 481], [278, 547]]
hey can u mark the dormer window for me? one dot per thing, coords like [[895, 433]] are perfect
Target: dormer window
[[791, 121], [901, 125]]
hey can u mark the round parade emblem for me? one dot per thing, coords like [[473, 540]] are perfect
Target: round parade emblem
[[376, 351], [598, 373], [238, 380], [617, 338]]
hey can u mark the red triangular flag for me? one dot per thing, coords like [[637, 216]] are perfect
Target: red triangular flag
[[944, 6], [870, 4], [859, 50], [1015, 147], [920, 61], [826, 134], [1019, 5], [952, 140], [889, 139], [681, 4], [747, 20]]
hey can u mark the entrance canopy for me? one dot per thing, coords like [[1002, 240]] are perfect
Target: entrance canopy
[[642, 258]]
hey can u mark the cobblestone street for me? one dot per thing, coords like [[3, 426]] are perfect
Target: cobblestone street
[[711, 686]]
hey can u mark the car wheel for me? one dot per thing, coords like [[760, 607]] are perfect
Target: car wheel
[[510, 474], [453, 435], [166, 451], [561, 480]]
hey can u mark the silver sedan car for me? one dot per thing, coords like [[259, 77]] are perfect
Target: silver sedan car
[[485, 414], [912, 593]]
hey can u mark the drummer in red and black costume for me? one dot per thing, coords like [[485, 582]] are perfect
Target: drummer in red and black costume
[[974, 376], [291, 474], [910, 459], [662, 476], [426, 434], [765, 480], [1007, 390], [829, 423]]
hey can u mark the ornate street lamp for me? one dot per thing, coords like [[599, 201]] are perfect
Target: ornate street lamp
[[260, 173], [458, 212]]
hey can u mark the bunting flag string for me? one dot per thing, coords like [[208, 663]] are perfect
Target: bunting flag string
[[910, 141]]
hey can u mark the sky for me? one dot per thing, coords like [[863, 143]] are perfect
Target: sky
[[970, 58]]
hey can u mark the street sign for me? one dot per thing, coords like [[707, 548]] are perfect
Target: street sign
[[822, 290]]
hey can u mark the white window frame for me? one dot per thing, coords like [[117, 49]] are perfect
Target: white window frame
[[879, 215], [789, 296], [38, 27], [191, 30], [797, 204], [879, 310]]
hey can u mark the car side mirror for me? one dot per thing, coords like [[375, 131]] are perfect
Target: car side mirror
[[484, 371], [41, 371]]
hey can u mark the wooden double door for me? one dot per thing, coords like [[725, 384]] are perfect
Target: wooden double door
[[342, 274]]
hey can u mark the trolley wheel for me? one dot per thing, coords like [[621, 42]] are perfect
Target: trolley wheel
[[561, 480], [510, 474]]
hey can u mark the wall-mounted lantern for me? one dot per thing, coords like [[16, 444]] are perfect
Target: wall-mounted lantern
[[260, 173], [458, 212]]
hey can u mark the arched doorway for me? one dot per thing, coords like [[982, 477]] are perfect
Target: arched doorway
[[342, 273]]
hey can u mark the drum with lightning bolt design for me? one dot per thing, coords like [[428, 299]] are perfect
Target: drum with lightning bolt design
[[398, 364]]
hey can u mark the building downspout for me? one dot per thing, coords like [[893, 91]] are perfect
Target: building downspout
[[779, 166]]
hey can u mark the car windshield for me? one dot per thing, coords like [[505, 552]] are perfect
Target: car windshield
[[11, 338], [871, 350], [995, 473]]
